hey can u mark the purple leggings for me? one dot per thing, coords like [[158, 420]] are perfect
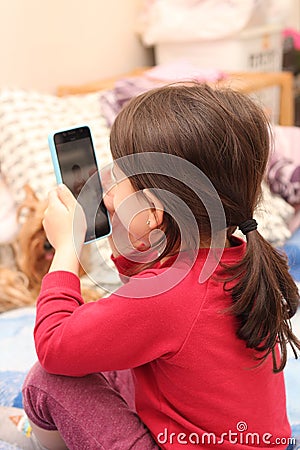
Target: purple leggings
[[91, 412]]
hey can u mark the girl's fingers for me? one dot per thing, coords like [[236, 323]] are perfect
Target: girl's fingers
[[66, 197], [52, 197], [58, 204]]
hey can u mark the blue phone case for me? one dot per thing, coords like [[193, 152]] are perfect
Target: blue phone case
[[57, 171], [54, 156]]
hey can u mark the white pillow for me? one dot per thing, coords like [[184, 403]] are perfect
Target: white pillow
[[26, 119], [8, 219]]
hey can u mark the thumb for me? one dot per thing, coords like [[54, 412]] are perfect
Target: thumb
[[66, 196], [54, 200], [53, 197]]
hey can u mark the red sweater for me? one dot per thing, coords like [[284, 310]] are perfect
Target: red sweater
[[195, 381]]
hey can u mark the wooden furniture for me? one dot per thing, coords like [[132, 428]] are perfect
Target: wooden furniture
[[247, 82]]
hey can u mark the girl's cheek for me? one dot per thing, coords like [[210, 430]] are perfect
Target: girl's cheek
[[133, 215]]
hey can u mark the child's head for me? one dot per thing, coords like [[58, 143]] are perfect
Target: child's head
[[222, 132], [226, 136]]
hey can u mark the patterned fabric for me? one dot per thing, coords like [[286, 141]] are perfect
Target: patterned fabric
[[113, 100], [16, 348], [10, 382], [284, 165], [273, 215], [7, 446], [26, 119], [8, 220], [15, 430]]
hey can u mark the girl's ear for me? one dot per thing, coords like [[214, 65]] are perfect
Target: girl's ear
[[156, 213]]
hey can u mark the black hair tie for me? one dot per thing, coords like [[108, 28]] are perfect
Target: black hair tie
[[248, 225]]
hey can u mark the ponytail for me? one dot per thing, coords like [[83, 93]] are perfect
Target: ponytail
[[265, 297]]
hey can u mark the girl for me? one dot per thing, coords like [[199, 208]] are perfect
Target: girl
[[202, 319]]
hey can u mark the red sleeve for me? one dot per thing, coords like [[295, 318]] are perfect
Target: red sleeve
[[113, 333]]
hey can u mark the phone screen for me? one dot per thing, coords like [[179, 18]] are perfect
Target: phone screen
[[79, 171]]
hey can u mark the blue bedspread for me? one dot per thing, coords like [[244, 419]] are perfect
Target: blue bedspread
[[17, 353]]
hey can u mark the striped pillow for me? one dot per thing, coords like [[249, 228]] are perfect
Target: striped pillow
[[26, 119]]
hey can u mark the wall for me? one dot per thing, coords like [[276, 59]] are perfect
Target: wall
[[294, 18], [51, 42]]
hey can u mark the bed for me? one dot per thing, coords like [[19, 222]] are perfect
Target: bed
[[26, 118]]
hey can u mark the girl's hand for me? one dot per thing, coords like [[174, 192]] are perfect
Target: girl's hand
[[64, 220]]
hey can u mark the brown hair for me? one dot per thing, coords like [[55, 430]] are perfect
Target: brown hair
[[227, 136]]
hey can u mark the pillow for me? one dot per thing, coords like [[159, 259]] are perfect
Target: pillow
[[26, 119], [8, 219], [273, 215], [284, 164]]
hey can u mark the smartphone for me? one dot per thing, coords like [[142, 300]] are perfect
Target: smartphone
[[75, 165]]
